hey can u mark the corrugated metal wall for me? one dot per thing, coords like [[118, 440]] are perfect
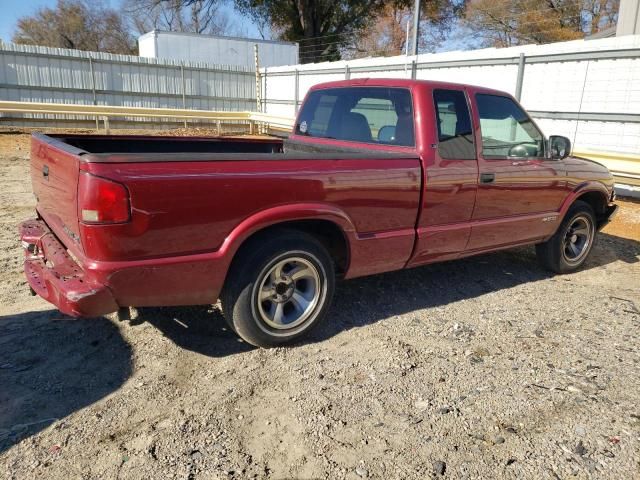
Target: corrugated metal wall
[[217, 49], [587, 90], [56, 75]]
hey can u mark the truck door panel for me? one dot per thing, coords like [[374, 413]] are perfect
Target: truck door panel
[[517, 183], [450, 182]]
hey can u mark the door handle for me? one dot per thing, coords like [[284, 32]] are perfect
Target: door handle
[[487, 177]]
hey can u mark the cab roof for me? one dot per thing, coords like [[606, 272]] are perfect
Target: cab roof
[[403, 83]]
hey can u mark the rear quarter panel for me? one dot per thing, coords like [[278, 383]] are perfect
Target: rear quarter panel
[[187, 208]]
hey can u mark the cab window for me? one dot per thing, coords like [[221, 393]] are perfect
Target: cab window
[[507, 131], [359, 114], [455, 134]]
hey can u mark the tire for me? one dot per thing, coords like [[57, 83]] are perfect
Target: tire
[[293, 274], [570, 246]]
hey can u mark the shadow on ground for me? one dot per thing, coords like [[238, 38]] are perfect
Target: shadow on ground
[[364, 301], [367, 300], [200, 328], [52, 366]]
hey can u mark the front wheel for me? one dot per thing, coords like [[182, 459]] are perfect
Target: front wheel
[[570, 246], [279, 288]]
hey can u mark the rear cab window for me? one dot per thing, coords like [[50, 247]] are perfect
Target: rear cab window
[[376, 115], [507, 131], [453, 124]]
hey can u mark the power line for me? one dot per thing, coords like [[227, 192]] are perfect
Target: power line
[[321, 46], [332, 42], [485, 10], [393, 50]]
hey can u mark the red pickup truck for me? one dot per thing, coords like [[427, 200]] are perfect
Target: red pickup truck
[[377, 175]]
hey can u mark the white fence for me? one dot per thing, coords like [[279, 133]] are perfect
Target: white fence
[[587, 90], [56, 75]]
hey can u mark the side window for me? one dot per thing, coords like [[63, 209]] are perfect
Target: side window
[[359, 114], [455, 133], [507, 131]]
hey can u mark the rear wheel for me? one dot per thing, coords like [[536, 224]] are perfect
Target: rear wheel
[[570, 246], [278, 289]]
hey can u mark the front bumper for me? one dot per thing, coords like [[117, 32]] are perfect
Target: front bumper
[[56, 277], [609, 214]]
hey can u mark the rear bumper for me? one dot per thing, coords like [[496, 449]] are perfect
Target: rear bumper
[[56, 277], [87, 288]]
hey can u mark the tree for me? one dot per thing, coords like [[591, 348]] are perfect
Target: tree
[[321, 27], [600, 14], [196, 16], [386, 36], [77, 24], [387, 33], [326, 29], [503, 23]]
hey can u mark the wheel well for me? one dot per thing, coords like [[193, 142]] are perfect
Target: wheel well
[[597, 201], [326, 232]]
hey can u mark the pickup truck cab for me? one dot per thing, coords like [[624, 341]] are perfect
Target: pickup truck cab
[[377, 175]]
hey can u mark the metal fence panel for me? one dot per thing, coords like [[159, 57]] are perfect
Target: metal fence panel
[[55, 75], [587, 90]]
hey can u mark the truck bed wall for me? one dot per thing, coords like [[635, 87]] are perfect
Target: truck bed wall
[[192, 210], [102, 144]]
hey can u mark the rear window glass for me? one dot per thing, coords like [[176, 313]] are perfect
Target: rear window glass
[[359, 114], [455, 135]]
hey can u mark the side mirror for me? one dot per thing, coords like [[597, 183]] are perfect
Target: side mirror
[[559, 147]]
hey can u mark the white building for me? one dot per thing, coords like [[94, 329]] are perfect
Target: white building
[[216, 49]]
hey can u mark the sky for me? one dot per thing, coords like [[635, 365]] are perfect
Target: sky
[[12, 10]]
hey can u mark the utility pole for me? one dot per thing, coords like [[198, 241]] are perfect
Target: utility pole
[[416, 25], [258, 79]]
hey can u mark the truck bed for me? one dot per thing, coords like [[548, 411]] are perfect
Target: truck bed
[[140, 144], [140, 148], [191, 207]]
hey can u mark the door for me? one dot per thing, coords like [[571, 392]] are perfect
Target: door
[[519, 189], [451, 175]]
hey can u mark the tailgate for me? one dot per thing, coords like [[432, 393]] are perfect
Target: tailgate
[[54, 176]]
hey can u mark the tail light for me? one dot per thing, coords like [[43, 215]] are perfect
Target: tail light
[[102, 201]]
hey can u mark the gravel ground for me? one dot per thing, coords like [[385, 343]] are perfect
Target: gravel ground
[[480, 368]]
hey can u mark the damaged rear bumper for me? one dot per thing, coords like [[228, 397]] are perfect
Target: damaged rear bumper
[[55, 276]]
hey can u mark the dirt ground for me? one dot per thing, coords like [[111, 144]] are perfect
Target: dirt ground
[[481, 368]]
